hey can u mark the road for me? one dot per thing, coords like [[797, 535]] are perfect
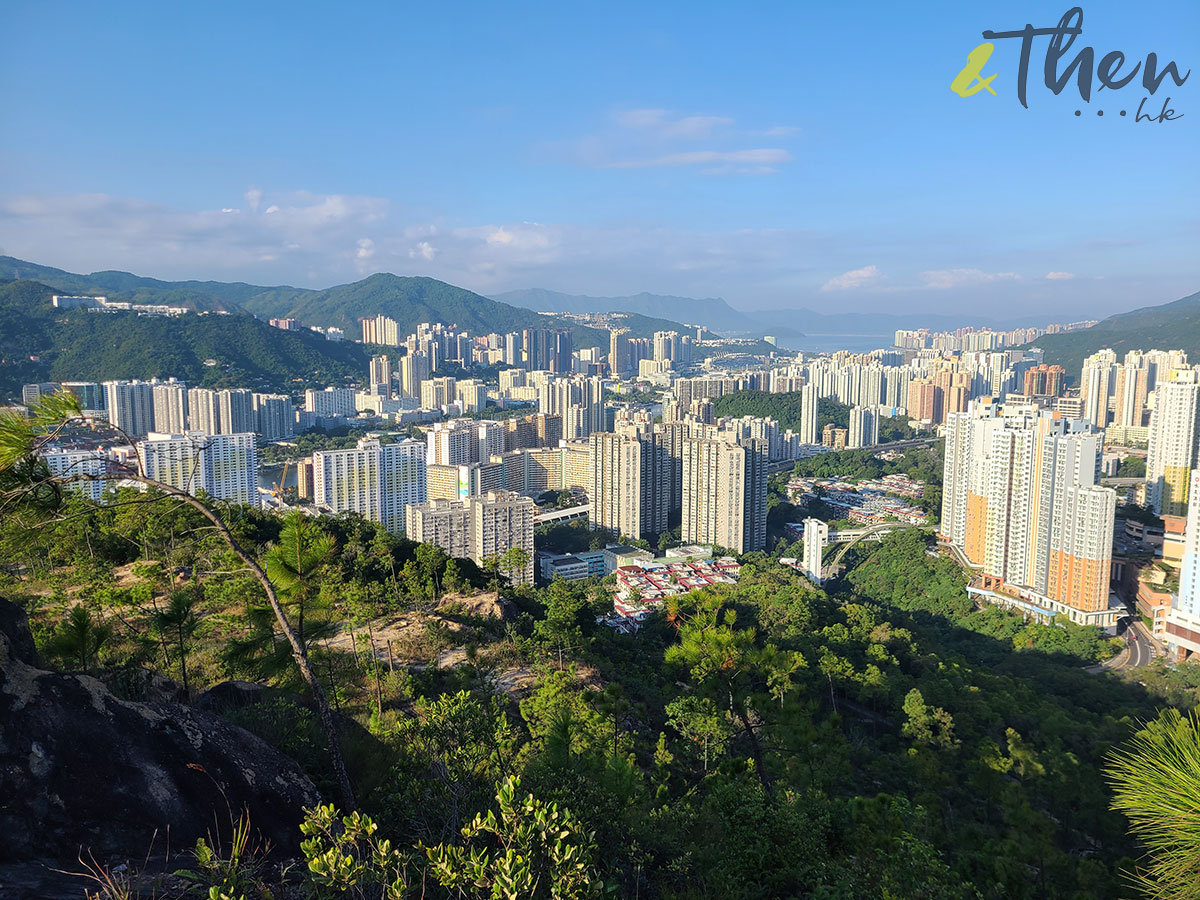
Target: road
[[1135, 653]]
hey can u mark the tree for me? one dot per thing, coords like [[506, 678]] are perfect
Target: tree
[[292, 563], [177, 623], [452, 578], [530, 850], [723, 662], [27, 486], [560, 628], [79, 637], [514, 561], [1156, 781], [700, 721], [925, 725]]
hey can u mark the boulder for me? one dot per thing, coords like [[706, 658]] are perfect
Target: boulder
[[81, 768]]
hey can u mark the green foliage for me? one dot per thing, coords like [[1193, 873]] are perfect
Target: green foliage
[[1132, 467], [76, 344], [346, 859], [1169, 326], [80, 638], [899, 572], [1156, 782], [237, 872], [530, 850], [176, 624], [1135, 513]]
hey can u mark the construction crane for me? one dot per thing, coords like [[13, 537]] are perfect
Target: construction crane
[[278, 488]]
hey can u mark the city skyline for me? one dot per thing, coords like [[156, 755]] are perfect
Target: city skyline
[[660, 160]]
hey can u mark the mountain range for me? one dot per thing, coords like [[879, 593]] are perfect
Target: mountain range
[[1170, 326], [719, 315], [407, 299], [39, 342], [228, 343], [712, 312]]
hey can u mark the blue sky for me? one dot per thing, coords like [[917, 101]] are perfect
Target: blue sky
[[778, 155]]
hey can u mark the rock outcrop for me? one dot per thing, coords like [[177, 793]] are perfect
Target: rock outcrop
[[80, 768]]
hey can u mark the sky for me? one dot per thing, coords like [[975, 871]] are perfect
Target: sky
[[778, 155]]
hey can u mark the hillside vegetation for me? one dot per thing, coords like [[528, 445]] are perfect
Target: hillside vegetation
[[1171, 326], [69, 345]]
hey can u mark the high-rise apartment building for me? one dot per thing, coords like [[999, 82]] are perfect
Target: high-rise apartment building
[[130, 406], [479, 528], [627, 484], [332, 402], [1021, 501], [618, 352], [236, 411], [1130, 394], [513, 349], [1183, 618], [414, 369], [1174, 442], [725, 494], [438, 392], [563, 354], [204, 411], [83, 464], [32, 393], [171, 408], [375, 480], [925, 400], [809, 413], [89, 394], [379, 376], [1044, 381], [274, 416], [451, 443], [864, 427], [1096, 386], [381, 330], [578, 402], [471, 394], [224, 466], [538, 344]]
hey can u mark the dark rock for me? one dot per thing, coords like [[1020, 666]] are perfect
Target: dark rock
[[81, 768], [14, 626], [142, 685], [230, 695]]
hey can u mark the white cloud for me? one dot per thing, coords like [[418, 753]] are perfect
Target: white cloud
[[661, 124], [423, 250], [253, 198], [855, 278], [1060, 276], [947, 279], [760, 157], [319, 240]]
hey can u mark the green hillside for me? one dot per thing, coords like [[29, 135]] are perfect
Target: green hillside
[[200, 295], [38, 342], [408, 300], [1170, 326]]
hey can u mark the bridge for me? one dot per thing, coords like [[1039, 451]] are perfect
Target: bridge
[[562, 515], [818, 537]]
